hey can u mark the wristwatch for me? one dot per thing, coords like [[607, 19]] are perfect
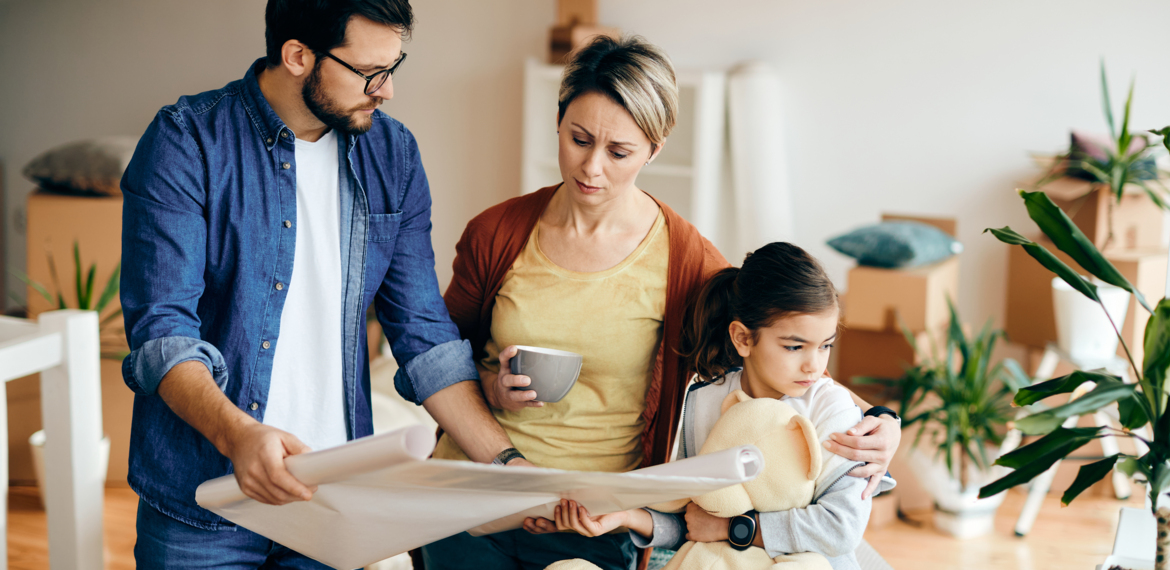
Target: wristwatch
[[507, 455], [876, 411], [741, 530]]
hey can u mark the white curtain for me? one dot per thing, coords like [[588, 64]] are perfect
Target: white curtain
[[759, 171]]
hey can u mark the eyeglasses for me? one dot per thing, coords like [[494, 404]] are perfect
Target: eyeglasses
[[376, 81]]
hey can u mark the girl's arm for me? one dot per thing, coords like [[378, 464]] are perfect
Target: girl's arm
[[833, 526], [648, 528], [874, 440]]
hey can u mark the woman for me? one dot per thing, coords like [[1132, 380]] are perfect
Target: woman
[[597, 267]]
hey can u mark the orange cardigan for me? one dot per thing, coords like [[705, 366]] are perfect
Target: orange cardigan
[[492, 241]]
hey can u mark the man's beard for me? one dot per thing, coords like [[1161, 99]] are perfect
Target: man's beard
[[327, 111]]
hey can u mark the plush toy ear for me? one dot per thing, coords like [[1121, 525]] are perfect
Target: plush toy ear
[[814, 447], [733, 399]]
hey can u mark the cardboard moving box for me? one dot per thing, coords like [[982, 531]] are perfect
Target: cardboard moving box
[[1137, 220], [886, 299], [880, 354], [1030, 318]]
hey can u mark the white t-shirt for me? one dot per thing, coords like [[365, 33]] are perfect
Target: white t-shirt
[[306, 395]]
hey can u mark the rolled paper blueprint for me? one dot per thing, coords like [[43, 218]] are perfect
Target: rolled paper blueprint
[[379, 496]]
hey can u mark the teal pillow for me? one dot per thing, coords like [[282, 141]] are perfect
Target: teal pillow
[[897, 244]]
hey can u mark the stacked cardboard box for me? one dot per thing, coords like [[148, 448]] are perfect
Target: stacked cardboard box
[[880, 303], [1030, 318], [576, 23], [1137, 221]]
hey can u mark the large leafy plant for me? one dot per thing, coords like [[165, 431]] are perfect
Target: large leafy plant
[[959, 396], [1126, 161], [109, 326], [1141, 404]]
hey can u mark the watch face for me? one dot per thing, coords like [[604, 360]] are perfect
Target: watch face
[[740, 531]]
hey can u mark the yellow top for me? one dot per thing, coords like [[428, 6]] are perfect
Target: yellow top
[[613, 319]]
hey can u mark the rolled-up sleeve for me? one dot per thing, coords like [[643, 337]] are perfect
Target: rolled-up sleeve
[[430, 353], [164, 248], [145, 367], [435, 369], [670, 531]]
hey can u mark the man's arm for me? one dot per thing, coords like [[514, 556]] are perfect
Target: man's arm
[[257, 451], [463, 413], [436, 368]]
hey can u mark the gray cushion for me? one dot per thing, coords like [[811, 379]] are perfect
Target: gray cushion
[[897, 244], [93, 166]]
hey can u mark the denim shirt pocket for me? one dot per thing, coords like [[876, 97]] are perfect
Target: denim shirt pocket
[[382, 235], [384, 227]]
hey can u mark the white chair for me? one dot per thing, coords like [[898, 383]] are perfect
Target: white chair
[[63, 346]]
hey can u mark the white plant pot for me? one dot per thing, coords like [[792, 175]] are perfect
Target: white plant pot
[[958, 511], [1082, 330], [36, 442]]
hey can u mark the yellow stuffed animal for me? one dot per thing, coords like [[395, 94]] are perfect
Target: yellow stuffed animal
[[792, 462]]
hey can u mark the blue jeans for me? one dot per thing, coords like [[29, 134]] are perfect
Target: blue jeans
[[164, 542], [519, 549]]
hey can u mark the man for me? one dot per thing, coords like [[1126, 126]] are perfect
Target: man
[[260, 221]]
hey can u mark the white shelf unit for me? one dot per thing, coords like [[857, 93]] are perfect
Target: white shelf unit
[[688, 173]]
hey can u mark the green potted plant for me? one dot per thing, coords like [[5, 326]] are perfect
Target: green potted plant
[[1142, 404], [961, 402], [113, 341], [1122, 164]]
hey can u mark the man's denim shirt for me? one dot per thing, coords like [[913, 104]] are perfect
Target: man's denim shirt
[[208, 232]]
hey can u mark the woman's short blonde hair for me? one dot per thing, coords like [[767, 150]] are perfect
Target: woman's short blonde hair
[[633, 73]]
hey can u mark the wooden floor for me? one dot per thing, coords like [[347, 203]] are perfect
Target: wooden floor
[[1076, 537], [1079, 536], [28, 538]]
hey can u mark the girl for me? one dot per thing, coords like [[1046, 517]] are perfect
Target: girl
[[765, 329]]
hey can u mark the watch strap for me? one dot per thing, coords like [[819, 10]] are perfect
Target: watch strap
[[507, 455], [876, 411]]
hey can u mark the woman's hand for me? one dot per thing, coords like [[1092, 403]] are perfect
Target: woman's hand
[[703, 526], [501, 389], [875, 441], [539, 525]]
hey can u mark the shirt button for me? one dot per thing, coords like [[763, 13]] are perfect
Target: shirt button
[[286, 166], [287, 224], [254, 406], [266, 345], [284, 134], [269, 140], [280, 286]]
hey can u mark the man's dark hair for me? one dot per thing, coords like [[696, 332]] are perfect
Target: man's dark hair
[[320, 24]]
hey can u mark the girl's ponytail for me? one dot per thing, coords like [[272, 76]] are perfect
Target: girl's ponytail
[[705, 343]]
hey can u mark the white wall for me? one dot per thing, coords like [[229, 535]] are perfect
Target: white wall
[[913, 106], [921, 106]]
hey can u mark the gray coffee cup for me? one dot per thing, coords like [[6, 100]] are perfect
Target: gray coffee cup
[[553, 372]]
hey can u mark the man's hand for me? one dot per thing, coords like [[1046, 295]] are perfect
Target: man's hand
[[500, 389], [875, 441], [703, 526], [258, 452]]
